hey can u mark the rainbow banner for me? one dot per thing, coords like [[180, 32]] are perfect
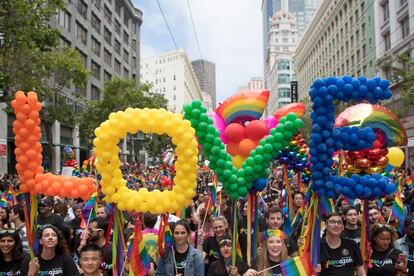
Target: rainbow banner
[[398, 206], [297, 266], [140, 259]]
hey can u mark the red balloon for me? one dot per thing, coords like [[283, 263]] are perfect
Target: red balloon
[[234, 132], [233, 149], [382, 161], [355, 154], [373, 153], [363, 163], [256, 130]]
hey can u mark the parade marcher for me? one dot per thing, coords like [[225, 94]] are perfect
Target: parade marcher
[[339, 256], [274, 221], [101, 211], [4, 217], [352, 231], [150, 235], [54, 258], [274, 252], [16, 217], [90, 260], [211, 249], [384, 257], [46, 216], [13, 260], [406, 243], [374, 215], [183, 259], [223, 266], [298, 198]]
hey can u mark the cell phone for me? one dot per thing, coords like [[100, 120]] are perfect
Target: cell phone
[[402, 259]]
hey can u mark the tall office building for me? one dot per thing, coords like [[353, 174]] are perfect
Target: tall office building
[[106, 33], [303, 11], [172, 76], [206, 75]]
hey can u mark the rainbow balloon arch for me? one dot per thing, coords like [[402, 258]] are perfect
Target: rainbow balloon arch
[[241, 148]]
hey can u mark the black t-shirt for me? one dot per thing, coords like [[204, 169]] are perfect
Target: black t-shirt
[[14, 268], [53, 219], [211, 247], [275, 271], [342, 260], [353, 235], [219, 267], [383, 262], [59, 265], [180, 260], [106, 264], [243, 233]]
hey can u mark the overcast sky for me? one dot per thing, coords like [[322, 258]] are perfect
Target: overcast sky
[[229, 33]]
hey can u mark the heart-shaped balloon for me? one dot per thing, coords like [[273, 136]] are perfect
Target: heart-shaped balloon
[[237, 182]]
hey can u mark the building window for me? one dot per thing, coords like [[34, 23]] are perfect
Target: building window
[[118, 7], [126, 56], [403, 2], [134, 61], [83, 58], [117, 46], [283, 93], [405, 27], [66, 137], [107, 76], [126, 38], [96, 23], [117, 67], [81, 33], [385, 11], [117, 27], [134, 45], [97, 4], [387, 41], [283, 64], [107, 36], [63, 18], [283, 79], [95, 93], [96, 70], [126, 73], [107, 14], [107, 57], [126, 20], [82, 9], [96, 46]]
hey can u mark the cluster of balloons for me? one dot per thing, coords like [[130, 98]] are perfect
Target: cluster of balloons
[[29, 154], [369, 160], [243, 139], [158, 121], [325, 139], [237, 182]]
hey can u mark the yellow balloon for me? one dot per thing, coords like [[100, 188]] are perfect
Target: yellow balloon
[[395, 156], [158, 121], [238, 161]]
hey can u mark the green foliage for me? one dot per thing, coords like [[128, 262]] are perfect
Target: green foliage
[[118, 95]]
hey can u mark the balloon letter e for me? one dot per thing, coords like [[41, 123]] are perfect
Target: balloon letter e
[[325, 139]]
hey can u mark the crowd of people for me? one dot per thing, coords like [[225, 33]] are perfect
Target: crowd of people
[[203, 236]]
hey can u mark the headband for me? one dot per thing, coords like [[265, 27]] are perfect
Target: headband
[[274, 232]]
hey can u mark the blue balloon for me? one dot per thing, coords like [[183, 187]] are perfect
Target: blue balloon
[[259, 184]]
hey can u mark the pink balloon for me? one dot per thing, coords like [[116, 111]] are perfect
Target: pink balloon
[[271, 122], [219, 124]]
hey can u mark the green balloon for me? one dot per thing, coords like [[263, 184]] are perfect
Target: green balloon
[[228, 165], [268, 148], [196, 104], [243, 191], [248, 171], [194, 123], [203, 109], [298, 123], [210, 129], [280, 128], [201, 126], [218, 142], [291, 116], [287, 135], [273, 131], [207, 147], [241, 172], [220, 163], [267, 157], [241, 181], [258, 159], [278, 137], [253, 153], [209, 138], [233, 187], [289, 126], [187, 108], [234, 195], [226, 173], [203, 117], [270, 139], [277, 146], [249, 184], [282, 120], [233, 178], [215, 150], [258, 168], [201, 134], [249, 161], [195, 113], [219, 170], [259, 150], [222, 154]]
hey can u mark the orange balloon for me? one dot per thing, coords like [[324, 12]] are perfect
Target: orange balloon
[[38, 188], [23, 160], [56, 187], [28, 174], [18, 152], [245, 146], [29, 124], [68, 185], [30, 184], [26, 108], [34, 115], [18, 125], [20, 97], [24, 146], [45, 184], [31, 153], [23, 132], [232, 148], [32, 165], [23, 188], [74, 193], [21, 117]]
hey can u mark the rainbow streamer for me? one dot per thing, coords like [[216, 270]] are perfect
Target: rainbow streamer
[[140, 259], [214, 196], [299, 265], [327, 205], [118, 243], [312, 244], [398, 206], [287, 228], [255, 227], [32, 203], [235, 240], [244, 106], [89, 210], [165, 237]]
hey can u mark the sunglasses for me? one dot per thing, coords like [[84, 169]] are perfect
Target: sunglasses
[[225, 242], [94, 229], [7, 231]]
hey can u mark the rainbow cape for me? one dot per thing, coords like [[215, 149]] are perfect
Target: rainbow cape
[[296, 266], [140, 259]]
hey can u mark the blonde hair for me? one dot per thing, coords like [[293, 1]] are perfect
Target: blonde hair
[[264, 258]]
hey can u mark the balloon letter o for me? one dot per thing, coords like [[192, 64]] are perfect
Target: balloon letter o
[[158, 121]]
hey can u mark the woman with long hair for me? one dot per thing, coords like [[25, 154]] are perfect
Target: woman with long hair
[[211, 249], [274, 252], [13, 261], [183, 259], [223, 266], [4, 217], [54, 258], [385, 258]]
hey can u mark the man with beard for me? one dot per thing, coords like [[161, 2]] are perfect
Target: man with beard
[[352, 230], [96, 234], [46, 216]]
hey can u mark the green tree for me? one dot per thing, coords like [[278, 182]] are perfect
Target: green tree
[[118, 95], [402, 68], [31, 58]]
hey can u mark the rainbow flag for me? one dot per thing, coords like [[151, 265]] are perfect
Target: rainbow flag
[[296, 266], [19, 197], [398, 206], [214, 196], [88, 211], [140, 259], [4, 202], [10, 197], [327, 205], [165, 237]]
